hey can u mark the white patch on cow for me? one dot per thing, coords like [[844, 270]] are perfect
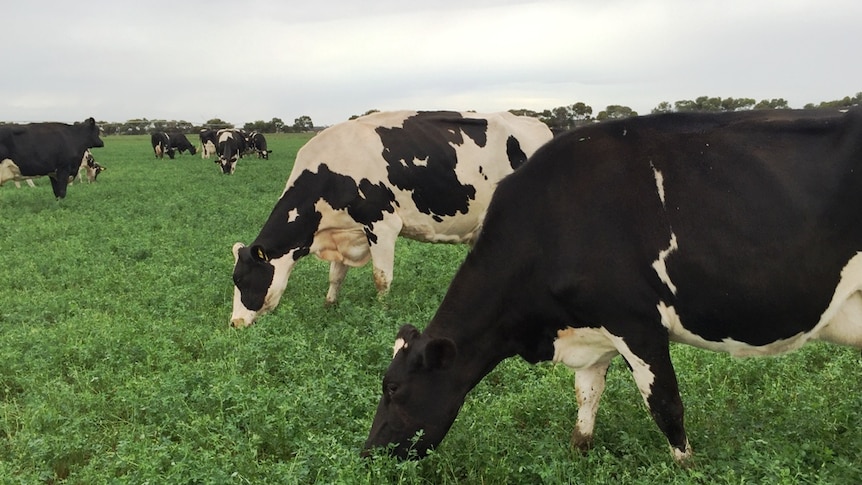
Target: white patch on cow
[[9, 171], [583, 348], [660, 264], [841, 323], [580, 348], [659, 182], [292, 215], [400, 343], [420, 162]]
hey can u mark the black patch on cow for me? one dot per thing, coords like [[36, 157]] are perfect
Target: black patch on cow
[[365, 202], [516, 155], [253, 276], [429, 137]]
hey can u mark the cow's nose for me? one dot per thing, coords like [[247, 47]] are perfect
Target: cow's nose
[[239, 323]]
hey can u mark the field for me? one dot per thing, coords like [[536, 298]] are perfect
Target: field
[[117, 364]]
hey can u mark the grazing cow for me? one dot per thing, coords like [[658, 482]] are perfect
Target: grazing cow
[[208, 138], [229, 148], [90, 167], [180, 143], [257, 144], [736, 232], [358, 185], [53, 149], [162, 145]]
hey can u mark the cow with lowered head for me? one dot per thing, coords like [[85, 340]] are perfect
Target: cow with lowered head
[[52, 149], [180, 143], [733, 232], [358, 185], [161, 142], [230, 147]]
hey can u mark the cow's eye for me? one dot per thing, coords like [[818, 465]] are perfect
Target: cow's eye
[[389, 389]]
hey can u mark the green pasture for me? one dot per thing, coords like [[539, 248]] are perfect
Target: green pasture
[[117, 363]]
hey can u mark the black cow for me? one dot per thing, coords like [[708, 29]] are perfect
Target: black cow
[[257, 144], [162, 145], [52, 149], [230, 146], [208, 138], [180, 143], [736, 232]]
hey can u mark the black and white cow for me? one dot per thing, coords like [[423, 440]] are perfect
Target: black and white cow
[[358, 185], [208, 138], [230, 147], [257, 144], [89, 166], [735, 232], [161, 142], [53, 149], [180, 143]]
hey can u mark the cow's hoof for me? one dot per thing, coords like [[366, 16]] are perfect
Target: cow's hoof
[[581, 442]]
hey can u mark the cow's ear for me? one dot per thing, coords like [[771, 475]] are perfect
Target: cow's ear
[[258, 253], [439, 354], [408, 333], [235, 250]]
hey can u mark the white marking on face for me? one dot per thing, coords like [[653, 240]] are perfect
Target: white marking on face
[[660, 264], [242, 316], [400, 343]]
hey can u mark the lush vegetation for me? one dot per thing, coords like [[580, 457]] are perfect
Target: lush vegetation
[[117, 364]]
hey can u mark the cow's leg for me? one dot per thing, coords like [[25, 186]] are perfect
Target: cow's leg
[[656, 379], [589, 386], [337, 272], [382, 247], [59, 183]]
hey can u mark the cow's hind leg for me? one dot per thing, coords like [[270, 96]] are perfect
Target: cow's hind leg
[[656, 380], [589, 386], [337, 272]]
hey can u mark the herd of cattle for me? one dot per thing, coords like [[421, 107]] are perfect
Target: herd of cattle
[[229, 145], [61, 151], [733, 232]]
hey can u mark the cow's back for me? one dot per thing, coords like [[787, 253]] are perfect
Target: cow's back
[[441, 167]]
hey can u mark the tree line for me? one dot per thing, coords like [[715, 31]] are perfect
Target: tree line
[[143, 126], [558, 119], [567, 117]]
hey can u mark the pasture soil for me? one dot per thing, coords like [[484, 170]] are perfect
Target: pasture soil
[[117, 364]]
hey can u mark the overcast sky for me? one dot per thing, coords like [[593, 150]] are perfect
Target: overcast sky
[[247, 60]]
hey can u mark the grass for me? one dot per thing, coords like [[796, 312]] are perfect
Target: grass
[[117, 364]]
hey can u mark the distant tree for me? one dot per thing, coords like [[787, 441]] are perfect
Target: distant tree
[[663, 107], [353, 117], [581, 112], [775, 103], [217, 124], [615, 112], [525, 112], [277, 125], [846, 102], [302, 124]]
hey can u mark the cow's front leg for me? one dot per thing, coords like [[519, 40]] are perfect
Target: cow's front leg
[[337, 272], [589, 386], [59, 182], [656, 379]]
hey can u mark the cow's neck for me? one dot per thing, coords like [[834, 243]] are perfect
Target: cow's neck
[[278, 239]]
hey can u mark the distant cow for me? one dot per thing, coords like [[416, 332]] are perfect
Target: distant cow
[[161, 142], [257, 144], [208, 138], [734, 232], [90, 167], [358, 185], [180, 143], [52, 149], [230, 146]]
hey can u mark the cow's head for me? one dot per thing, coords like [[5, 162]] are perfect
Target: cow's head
[[228, 165], [422, 393], [258, 282], [92, 131], [192, 149]]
